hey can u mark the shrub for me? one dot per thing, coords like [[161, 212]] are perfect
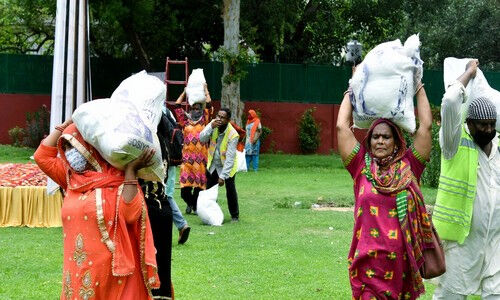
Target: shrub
[[266, 131], [37, 127], [430, 177], [309, 131], [16, 135]]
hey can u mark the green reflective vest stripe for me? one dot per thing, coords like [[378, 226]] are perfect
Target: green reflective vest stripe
[[229, 134], [452, 213]]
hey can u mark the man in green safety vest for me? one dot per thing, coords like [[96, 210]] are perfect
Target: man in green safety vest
[[467, 210], [222, 164]]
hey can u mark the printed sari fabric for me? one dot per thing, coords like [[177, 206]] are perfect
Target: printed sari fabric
[[194, 152], [391, 224], [382, 259], [108, 245]]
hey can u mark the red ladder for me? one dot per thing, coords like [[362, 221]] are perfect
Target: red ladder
[[176, 82]]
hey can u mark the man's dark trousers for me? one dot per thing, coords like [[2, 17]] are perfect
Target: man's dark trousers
[[231, 194]]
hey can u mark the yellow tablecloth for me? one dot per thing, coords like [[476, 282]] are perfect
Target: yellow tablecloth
[[29, 206]]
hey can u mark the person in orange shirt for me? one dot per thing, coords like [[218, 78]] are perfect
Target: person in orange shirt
[[108, 244]]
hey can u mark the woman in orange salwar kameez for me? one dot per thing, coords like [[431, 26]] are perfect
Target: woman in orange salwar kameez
[[108, 244]]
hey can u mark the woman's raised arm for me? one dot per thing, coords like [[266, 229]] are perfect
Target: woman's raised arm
[[345, 137], [423, 137]]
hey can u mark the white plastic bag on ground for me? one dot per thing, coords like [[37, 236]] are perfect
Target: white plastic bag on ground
[[241, 160], [477, 87], [120, 128], [384, 84], [207, 209], [195, 89]]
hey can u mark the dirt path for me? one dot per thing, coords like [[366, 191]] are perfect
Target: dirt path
[[327, 208], [343, 209]]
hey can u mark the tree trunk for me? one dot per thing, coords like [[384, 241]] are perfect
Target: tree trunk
[[297, 39], [135, 41], [230, 95]]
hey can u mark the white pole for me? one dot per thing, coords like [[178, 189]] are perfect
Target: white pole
[[70, 60], [58, 66], [81, 96]]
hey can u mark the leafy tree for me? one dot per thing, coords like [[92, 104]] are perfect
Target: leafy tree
[[150, 30], [313, 31], [27, 26], [460, 28], [316, 31]]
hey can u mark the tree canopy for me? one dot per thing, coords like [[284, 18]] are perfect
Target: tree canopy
[[298, 31]]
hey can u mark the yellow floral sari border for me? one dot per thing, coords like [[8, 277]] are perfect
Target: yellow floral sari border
[[118, 197], [355, 151], [100, 222], [148, 282]]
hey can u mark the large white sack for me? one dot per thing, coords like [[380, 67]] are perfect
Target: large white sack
[[146, 92], [384, 84], [477, 87], [195, 89], [207, 209], [121, 128]]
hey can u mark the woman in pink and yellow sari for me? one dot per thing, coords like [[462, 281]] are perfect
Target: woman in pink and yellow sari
[[391, 224]]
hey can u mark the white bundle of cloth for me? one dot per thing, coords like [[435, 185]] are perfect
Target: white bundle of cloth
[[384, 84], [477, 87], [195, 89], [208, 210], [123, 126]]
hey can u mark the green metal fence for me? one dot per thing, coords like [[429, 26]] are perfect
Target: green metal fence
[[27, 74], [32, 74]]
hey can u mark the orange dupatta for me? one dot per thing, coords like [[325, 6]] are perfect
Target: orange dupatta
[[256, 122]]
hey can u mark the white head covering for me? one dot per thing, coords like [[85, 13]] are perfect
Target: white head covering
[[482, 109]]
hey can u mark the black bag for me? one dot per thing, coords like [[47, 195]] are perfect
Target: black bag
[[173, 139]]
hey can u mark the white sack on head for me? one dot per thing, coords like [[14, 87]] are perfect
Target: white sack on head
[[384, 84], [477, 87], [207, 208], [121, 128], [195, 89]]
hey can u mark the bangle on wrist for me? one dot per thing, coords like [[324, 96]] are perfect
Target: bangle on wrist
[[131, 182], [419, 88], [349, 90], [61, 127]]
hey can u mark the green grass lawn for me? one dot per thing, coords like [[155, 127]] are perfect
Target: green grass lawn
[[280, 249], [10, 154]]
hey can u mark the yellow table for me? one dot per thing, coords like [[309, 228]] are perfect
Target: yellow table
[[29, 206]]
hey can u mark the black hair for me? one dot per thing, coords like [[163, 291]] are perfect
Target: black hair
[[228, 112], [198, 104]]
